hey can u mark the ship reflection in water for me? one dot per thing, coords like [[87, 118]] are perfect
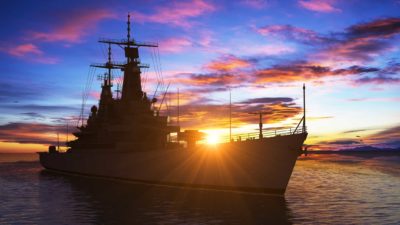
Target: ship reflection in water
[[329, 189], [109, 202]]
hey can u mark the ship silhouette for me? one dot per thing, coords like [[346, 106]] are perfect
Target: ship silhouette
[[125, 138]]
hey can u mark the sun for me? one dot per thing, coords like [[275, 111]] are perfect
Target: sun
[[212, 139]]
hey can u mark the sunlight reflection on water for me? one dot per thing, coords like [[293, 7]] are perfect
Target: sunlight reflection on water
[[323, 189]]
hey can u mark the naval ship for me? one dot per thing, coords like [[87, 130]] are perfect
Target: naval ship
[[126, 138]]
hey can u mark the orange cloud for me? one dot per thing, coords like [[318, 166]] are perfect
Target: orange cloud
[[12, 147], [228, 63], [177, 13], [31, 133], [207, 116], [300, 71]]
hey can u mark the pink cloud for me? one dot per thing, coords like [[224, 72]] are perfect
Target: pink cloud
[[30, 52], [273, 49], [174, 45], [75, 27], [324, 6], [176, 13], [24, 49]]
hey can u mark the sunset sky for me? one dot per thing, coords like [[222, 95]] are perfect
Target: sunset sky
[[346, 52]]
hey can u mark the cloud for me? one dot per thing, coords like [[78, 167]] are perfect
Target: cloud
[[390, 74], [72, 26], [267, 100], [24, 49], [290, 32], [176, 13], [174, 45], [35, 112], [377, 80], [356, 50], [266, 50], [209, 79], [386, 138], [206, 116], [43, 108], [29, 52], [342, 142], [383, 28], [359, 43], [355, 131], [232, 70], [33, 115], [33, 133], [198, 111], [300, 71], [14, 89], [388, 99], [389, 137], [338, 54], [362, 42], [228, 63], [324, 6]]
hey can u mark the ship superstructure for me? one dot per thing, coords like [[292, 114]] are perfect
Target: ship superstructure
[[129, 120]]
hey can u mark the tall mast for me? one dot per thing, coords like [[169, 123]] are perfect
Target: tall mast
[[304, 107], [118, 91], [131, 88], [128, 36], [129, 29], [67, 132], [58, 142], [178, 109], [109, 63], [230, 115]]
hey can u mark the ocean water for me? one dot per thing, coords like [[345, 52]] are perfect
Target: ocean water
[[324, 189]]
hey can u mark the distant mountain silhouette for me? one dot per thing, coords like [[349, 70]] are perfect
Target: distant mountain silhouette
[[369, 148], [360, 150]]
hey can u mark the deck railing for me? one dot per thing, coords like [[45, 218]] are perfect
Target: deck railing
[[265, 134]]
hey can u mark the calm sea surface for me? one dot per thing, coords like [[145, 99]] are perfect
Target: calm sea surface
[[324, 189]]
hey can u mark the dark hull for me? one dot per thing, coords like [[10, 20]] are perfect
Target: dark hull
[[262, 166]]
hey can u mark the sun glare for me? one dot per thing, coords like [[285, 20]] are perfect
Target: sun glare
[[212, 139]]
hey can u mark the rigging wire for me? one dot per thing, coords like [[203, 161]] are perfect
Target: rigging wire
[[86, 92]]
